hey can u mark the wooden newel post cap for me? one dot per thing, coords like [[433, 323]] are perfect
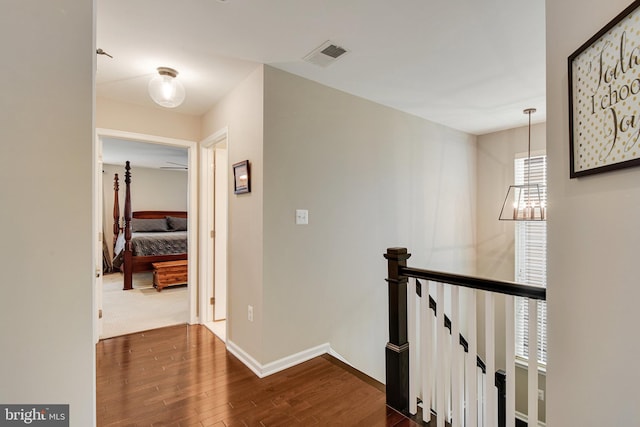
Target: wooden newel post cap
[[398, 254]]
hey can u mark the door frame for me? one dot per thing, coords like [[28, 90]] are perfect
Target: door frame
[[98, 238], [207, 252], [192, 204]]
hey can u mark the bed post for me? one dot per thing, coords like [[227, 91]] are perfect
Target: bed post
[[116, 212], [128, 267]]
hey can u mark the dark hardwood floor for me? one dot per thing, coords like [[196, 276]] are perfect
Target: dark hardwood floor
[[183, 376]]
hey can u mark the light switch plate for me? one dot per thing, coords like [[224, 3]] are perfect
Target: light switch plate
[[302, 216]]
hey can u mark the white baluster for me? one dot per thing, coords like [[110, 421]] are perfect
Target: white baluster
[[490, 392], [462, 363], [442, 334], [481, 398], [447, 371], [532, 415], [435, 351], [426, 349], [412, 339], [456, 395], [472, 369], [510, 359]]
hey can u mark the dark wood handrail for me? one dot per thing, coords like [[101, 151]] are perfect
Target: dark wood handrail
[[498, 286], [397, 349]]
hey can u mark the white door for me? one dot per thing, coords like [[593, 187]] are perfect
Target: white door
[[220, 227]]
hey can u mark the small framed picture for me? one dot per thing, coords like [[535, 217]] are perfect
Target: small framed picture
[[241, 177]]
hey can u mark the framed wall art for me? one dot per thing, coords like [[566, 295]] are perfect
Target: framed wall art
[[604, 97], [241, 177]]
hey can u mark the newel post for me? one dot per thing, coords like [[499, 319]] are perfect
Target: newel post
[[397, 349]]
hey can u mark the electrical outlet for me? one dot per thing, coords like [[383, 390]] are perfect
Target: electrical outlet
[[540, 394], [250, 313]]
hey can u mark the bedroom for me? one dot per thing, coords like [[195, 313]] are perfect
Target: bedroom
[[159, 182]]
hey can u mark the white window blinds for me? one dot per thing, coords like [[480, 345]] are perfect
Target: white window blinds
[[531, 257]]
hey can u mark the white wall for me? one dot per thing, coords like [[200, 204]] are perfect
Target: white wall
[[496, 153], [371, 177], [496, 245], [117, 115], [593, 315], [46, 256], [242, 112], [151, 190]]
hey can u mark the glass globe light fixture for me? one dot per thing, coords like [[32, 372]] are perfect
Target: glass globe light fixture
[[165, 89]]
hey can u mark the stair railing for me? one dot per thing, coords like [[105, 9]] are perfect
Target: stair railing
[[427, 366]]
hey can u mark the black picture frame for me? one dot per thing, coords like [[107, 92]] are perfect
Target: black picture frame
[[241, 177], [604, 98]]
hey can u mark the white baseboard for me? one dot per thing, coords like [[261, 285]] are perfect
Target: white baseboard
[[245, 358], [338, 356], [523, 417], [218, 328], [280, 364]]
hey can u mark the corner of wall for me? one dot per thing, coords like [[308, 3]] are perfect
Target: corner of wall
[[278, 365], [241, 111]]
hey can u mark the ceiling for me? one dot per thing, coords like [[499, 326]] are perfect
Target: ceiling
[[116, 151], [472, 65]]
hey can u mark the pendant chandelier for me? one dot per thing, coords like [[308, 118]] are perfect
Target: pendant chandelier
[[524, 202]]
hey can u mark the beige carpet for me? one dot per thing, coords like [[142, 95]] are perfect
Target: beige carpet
[[142, 307]]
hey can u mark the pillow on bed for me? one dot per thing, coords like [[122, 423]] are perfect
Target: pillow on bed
[[177, 224], [148, 224]]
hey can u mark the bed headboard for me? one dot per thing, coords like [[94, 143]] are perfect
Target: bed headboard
[[159, 214], [128, 217]]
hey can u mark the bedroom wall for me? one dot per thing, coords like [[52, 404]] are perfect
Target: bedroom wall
[[46, 117], [371, 177], [242, 112], [593, 296], [152, 189]]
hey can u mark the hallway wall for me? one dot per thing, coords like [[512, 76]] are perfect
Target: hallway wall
[[46, 117], [593, 295]]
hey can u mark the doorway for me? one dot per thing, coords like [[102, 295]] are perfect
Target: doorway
[[214, 190], [192, 248]]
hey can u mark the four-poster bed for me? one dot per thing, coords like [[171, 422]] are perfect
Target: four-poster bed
[[146, 237]]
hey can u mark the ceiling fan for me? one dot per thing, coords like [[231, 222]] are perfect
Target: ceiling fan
[[178, 166]]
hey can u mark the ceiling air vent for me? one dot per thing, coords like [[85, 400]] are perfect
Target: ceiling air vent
[[326, 54]]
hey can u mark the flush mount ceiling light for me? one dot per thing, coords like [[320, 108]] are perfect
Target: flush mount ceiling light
[[165, 89], [524, 202]]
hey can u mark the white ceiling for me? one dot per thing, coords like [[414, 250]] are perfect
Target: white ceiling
[[473, 65], [116, 151]]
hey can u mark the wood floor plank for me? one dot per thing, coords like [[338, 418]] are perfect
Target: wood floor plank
[[183, 376]]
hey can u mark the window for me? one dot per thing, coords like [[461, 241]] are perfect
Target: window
[[531, 258]]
